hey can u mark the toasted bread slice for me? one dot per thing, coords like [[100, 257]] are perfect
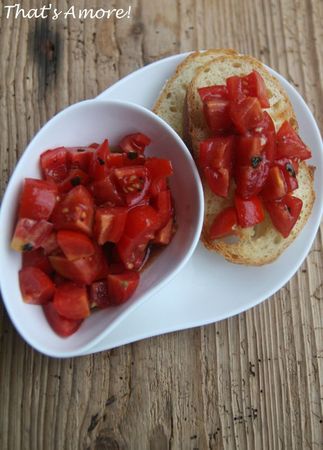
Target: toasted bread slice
[[170, 103], [263, 243]]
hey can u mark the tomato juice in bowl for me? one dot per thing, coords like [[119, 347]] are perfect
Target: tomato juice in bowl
[[79, 125]]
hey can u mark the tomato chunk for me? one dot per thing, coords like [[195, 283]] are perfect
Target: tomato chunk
[[284, 213], [50, 245], [71, 301], [80, 158], [211, 92], [235, 88], [289, 168], [98, 166], [30, 234], [165, 234], [74, 178], [62, 326], [163, 204], [38, 199], [256, 87], [122, 286], [217, 115], [246, 114], [133, 182], [275, 186], [37, 258], [109, 224], [249, 212], [289, 144], [218, 180], [224, 223], [134, 143], [74, 244], [99, 295], [106, 192], [158, 167], [75, 211], [158, 185], [36, 287], [250, 180], [54, 164], [217, 152]]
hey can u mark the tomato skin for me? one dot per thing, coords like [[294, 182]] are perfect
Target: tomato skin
[[75, 211], [54, 164], [224, 223], [62, 326], [251, 180], [109, 224], [74, 244], [284, 213], [275, 186], [217, 115], [246, 114], [38, 199], [30, 234], [249, 212], [134, 143], [35, 286], [37, 258], [99, 295], [133, 182], [234, 88], [71, 301], [289, 144], [289, 168], [122, 286], [211, 92], [74, 178], [218, 181], [158, 167], [217, 152]]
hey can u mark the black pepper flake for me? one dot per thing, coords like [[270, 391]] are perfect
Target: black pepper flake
[[80, 150], [290, 169], [255, 161], [75, 181], [27, 247], [101, 161], [132, 155]]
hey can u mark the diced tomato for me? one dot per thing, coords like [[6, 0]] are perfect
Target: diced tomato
[[157, 185], [74, 244], [251, 179], [275, 186], [218, 180], [54, 164], [62, 326], [234, 88], [37, 258], [249, 212], [217, 152], [134, 143], [75, 211], [36, 287], [256, 88], [106, 192], [80, 157], [158, 167], [224, 223], [217, 115], [267, 133], [109, 224], [74, 178], [249, 151], [116, 160], [98, 166], [30, 234], [122, 286], [284, 213], [71, 301], [211, 92], [246, 114], [83, 270], [38, 199], [134, 182], [50, 245], [289, 168], [165, 234], [163, 205], [290, 145], [99, 295]]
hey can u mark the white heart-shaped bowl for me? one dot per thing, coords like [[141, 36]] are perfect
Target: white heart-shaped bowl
[[80, 124]]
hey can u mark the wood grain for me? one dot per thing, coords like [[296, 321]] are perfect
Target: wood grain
[[250, 382]]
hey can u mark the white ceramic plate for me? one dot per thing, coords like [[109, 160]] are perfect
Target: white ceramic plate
[[209, 289]]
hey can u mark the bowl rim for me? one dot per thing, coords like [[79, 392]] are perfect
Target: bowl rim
[[11, 189]]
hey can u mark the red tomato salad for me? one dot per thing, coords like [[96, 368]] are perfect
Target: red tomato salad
[[246, 151], [86, 229]]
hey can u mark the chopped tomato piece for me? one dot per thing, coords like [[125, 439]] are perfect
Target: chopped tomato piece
[[234, 88], [217, 115], [265, 130], [284, 213], [80, 157], [122, 286], [36, 287], [217, 152], [37, 258], [163, 204], [218, 180], [289, 144], [71, 301], [54, 164], [62, 326], [251, 179], [249, 151], [224, 224], [74, 244], [210, 92], [249, 212], [106, 192], [246, 113], [158, 167], [50, 244], [98, 166], [74, 178], [116, 160], [275, 186], [165, 234], [109, 224], [75, 211], [256, 87], [134, 143], [289, 168], [30, 234], [134, 183], [99, 295], [38, 199], [158, 185]]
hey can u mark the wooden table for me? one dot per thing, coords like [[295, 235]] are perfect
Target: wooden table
[[253, 381]]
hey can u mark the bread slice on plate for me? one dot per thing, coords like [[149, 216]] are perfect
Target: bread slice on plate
[[262, 243]]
